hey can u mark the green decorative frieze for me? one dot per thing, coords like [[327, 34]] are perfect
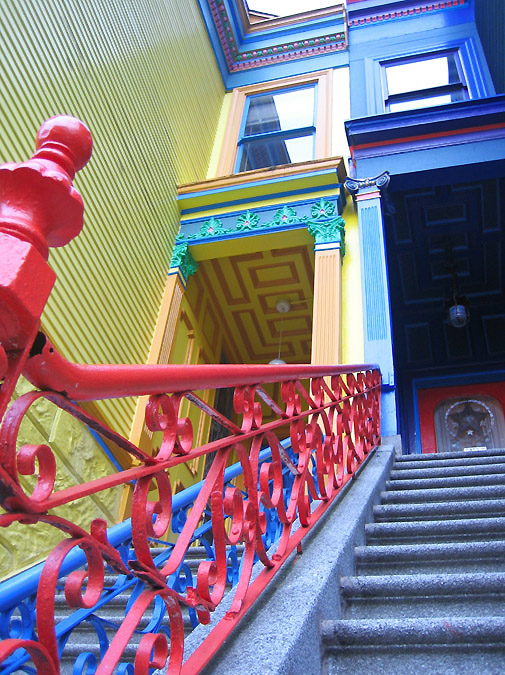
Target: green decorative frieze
[[247, 221], [183, 259], [322, 209], [211, 228], [323, 223], [286, 216]]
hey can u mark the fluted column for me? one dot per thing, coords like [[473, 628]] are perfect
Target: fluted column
[[377, 333], [326, 312], [328, 232]]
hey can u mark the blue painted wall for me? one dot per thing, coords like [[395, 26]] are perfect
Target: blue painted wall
[[387, 145]]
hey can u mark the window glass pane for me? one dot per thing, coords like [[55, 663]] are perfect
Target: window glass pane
[[423, 74], [287, 7], [300, 149], [262, 154], [281, 111], [428, 102]]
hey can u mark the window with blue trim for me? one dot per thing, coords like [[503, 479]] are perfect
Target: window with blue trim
[[423, 81], [278, 127]]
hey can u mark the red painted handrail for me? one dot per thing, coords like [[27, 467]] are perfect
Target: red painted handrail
[[81, 382], [330, 413]]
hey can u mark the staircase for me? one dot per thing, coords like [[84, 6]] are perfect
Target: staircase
[[423, 591], [428, 595]]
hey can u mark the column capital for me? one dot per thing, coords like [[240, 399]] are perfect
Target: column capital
[[328, 233], [364, 186], [183, 262]]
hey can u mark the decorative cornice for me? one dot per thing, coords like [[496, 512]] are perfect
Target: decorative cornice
[[403, 10], [240, 59], [329, 173], [323, 223], [448, 117], [183, 260], [410, 130]]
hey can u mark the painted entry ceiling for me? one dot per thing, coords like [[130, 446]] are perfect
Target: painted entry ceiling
[[243, 291], [433, 234]]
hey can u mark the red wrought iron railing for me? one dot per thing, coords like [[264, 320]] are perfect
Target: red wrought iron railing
[[331, 416]]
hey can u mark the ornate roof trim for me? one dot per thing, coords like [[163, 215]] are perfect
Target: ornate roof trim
[[404, 10], [264, 47]]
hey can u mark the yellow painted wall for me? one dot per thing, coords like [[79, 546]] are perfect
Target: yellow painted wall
[[78, 459], [352, 349], [220, 135], [143, 77], [352, 315], [341, 113]]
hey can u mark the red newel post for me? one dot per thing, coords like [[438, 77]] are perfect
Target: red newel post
[[39, 207]]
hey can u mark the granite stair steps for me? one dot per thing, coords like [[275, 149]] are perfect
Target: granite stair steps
[[428, 593]]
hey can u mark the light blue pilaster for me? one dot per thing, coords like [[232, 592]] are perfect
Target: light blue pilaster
[[377, 333]]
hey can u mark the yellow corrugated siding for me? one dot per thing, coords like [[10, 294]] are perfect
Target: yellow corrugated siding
[[142, 75]]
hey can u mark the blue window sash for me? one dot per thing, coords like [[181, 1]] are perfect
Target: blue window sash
[[280, 135], [427, 92]]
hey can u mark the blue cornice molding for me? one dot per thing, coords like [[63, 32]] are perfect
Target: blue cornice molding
[[363, 13], [243, 49], [464, 117], [287, 183], [422, 146]]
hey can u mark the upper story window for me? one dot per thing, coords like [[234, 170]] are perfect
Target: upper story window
[[278, 128], [277, 123], [423, 81], [283, 8]]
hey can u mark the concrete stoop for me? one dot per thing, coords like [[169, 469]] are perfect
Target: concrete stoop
[[428, 591]]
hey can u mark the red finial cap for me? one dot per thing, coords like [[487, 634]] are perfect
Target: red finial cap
[[38, 202], [66, 141]]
